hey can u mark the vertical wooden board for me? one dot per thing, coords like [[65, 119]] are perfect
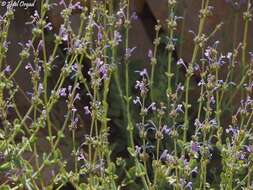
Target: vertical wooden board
[[138, 38], [222, 12]]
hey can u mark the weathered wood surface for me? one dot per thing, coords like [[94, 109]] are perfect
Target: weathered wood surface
[[189, 10]]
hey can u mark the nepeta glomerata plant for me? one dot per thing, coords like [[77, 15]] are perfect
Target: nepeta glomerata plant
[[167, 146]]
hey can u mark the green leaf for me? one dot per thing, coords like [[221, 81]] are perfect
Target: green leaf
[[131, 151], [5, 187], [6, 166]]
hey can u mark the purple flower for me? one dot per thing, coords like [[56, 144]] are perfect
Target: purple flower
[[195, 147], [180, 87], [7, 69], [166, 157], [134, 16], [6, 45], [143, 73], [137, 150], [137, 100], [198, 124], [201, 83], [49, 26], [164, 154], [29, 67], [249, 148], [142, 86], [62, 92], [181, 62], [63, 33], [103, 70], [129, 52], [150, 53], [188, 185], [77, 5], [151, 106], [74, 67], [40, 88], [179, 108], [100, 36], [77, 97], [69, 88], [234, 131], [117, 38], [121, 13], [86, 110], [62, 2], [229, 55], [35, 18], [166, 130]]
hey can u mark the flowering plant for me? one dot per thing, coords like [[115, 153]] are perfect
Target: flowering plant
[[85, 76]]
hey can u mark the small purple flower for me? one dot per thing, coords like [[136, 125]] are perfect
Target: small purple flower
[[198, 124], [117, 38], [100, 36], [74, 67], [212, 100], [6, 44], [40, 88], [77, 97], [150, 53], [28, 44], [201, 83], [7, 69], [164, 154], [195, 147], [137, 150], [29, 67], [137, 100], [143, 73], [134, 16], [129, 52], [151, 106], [249, 148], [62, 2], [103, 70], [166, 157], [69, 88], [188, 185], [180, 87], [179, 108], [181, 62], [166, 130], [76, 6], [234, 131], [229, 55], [74, 110], [63, 33], [213, 122], [142, 86], [86, 110], [208, 52], [121, 13], [49, 26], [240, 155], [62, 92], [35, 18]]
